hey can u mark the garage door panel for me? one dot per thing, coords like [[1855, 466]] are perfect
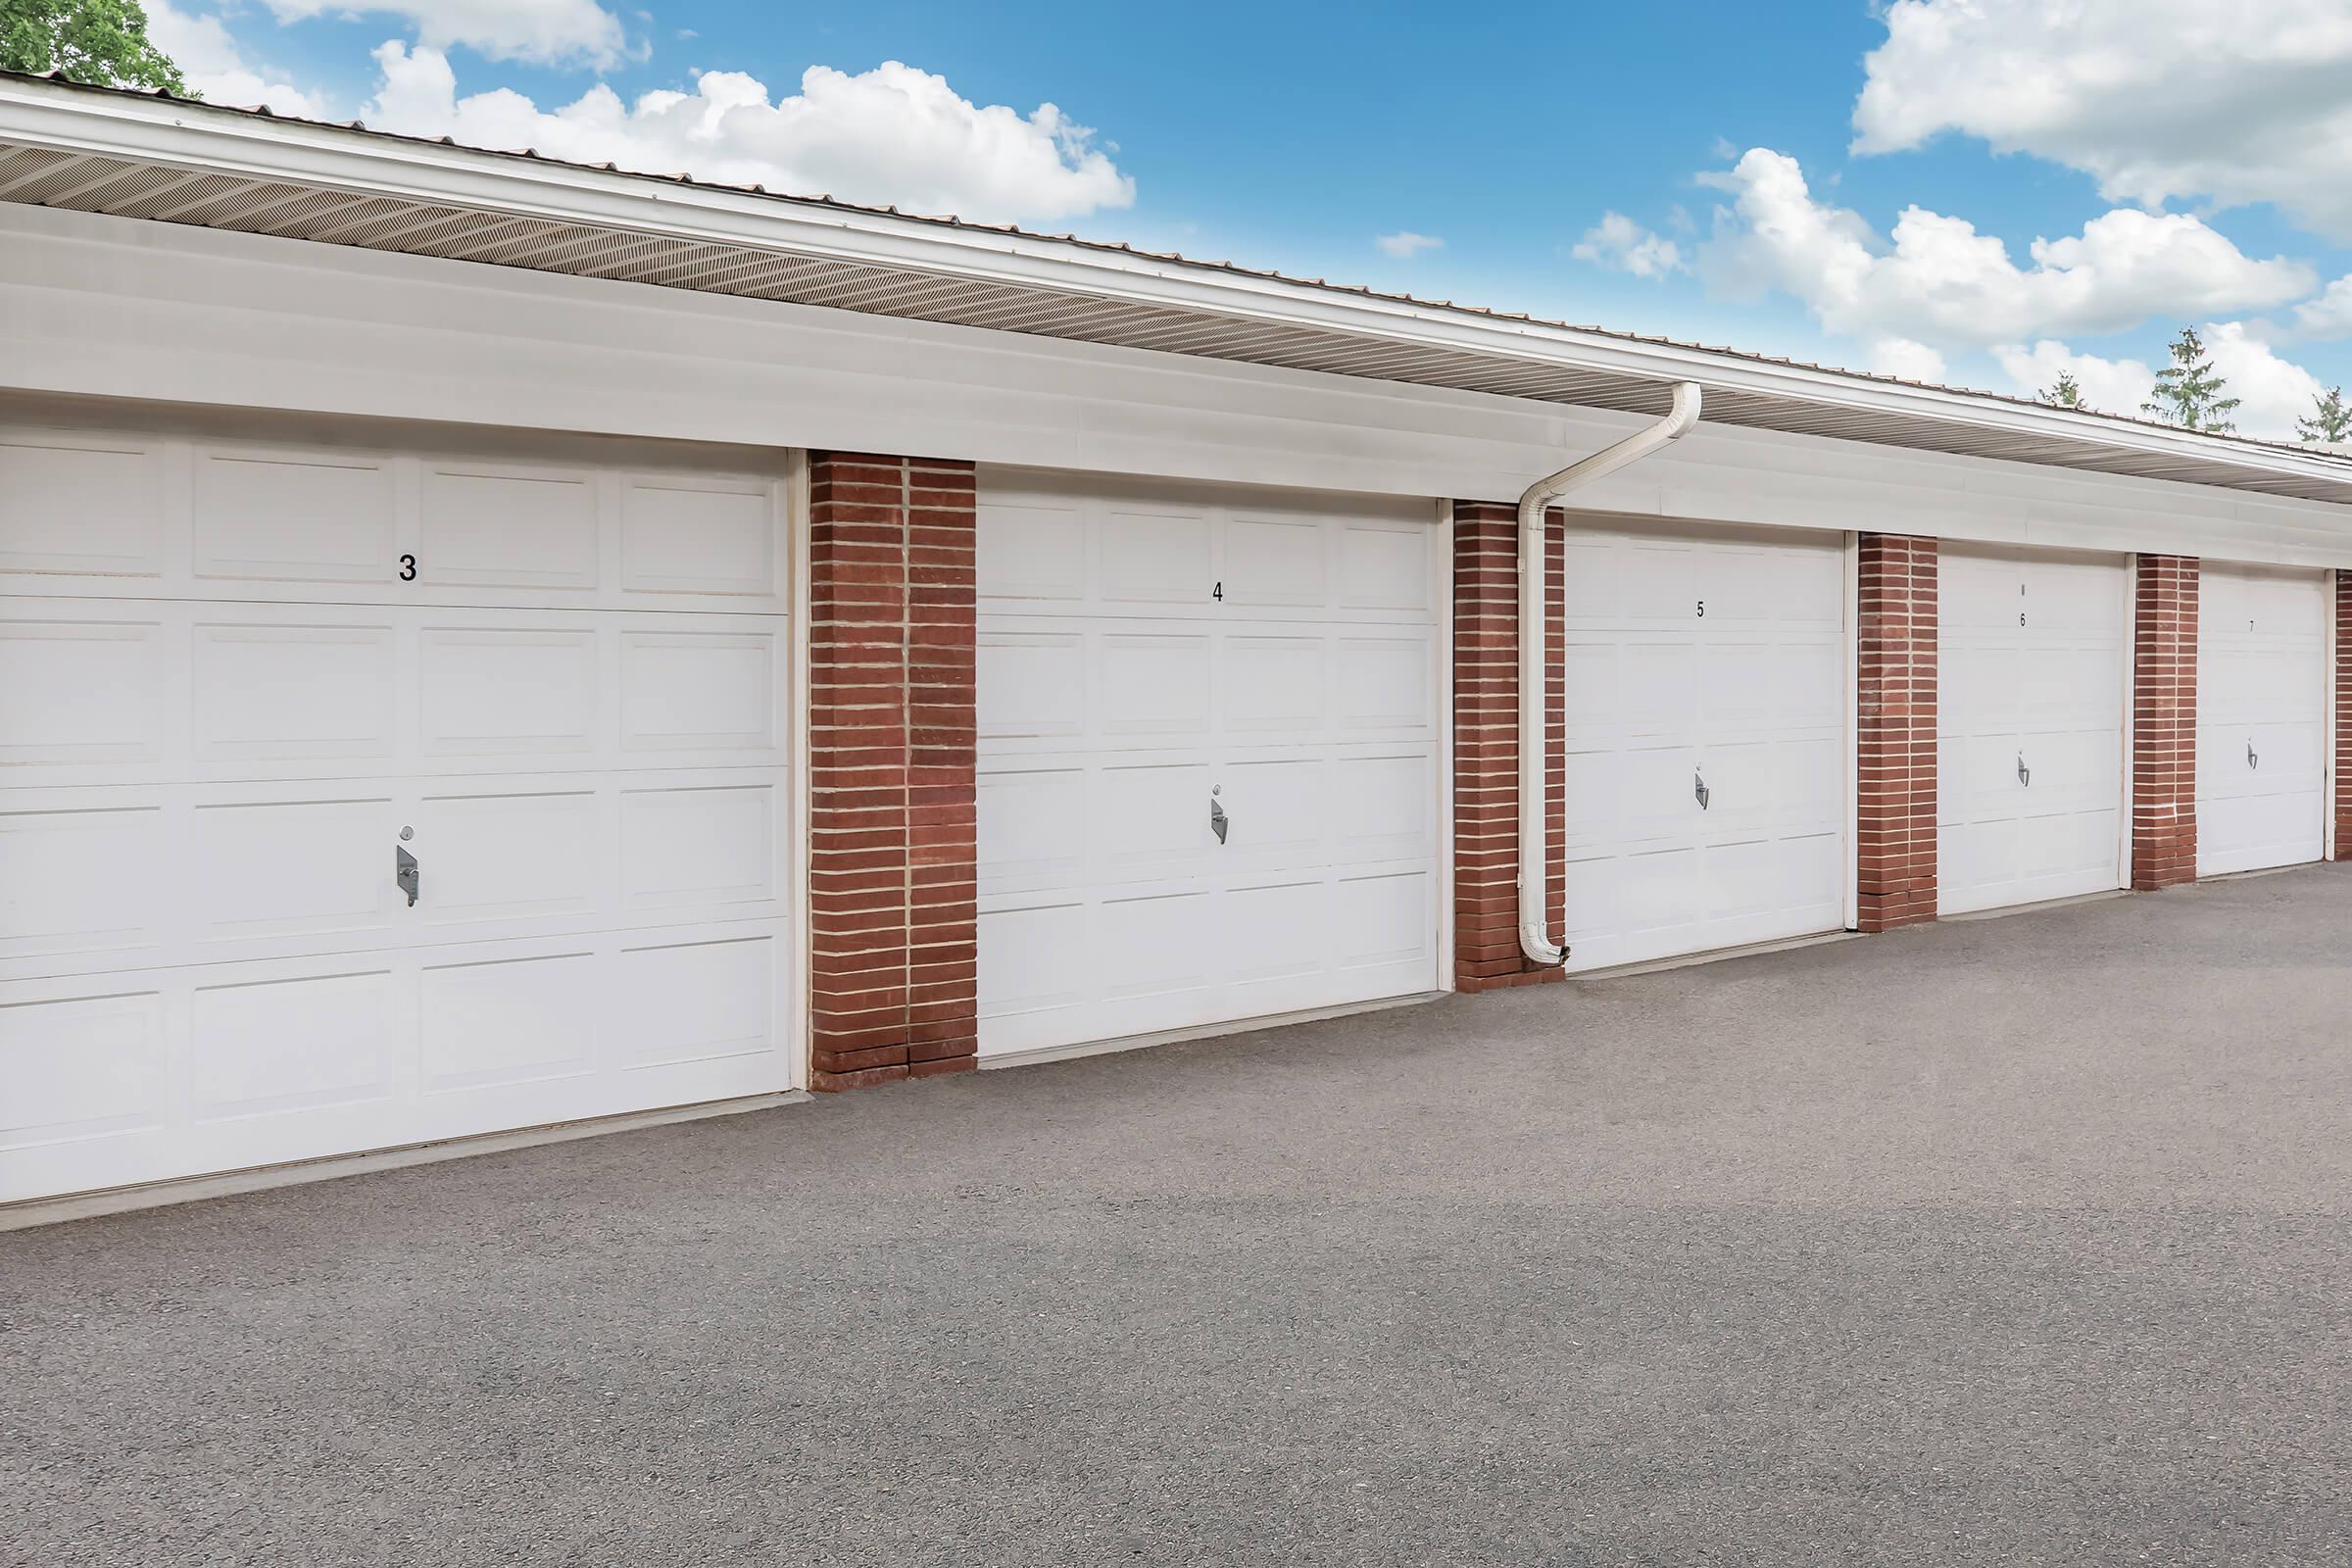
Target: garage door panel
[[526, 855], [497, 691], [563, 678], [82, 504], [1120, 695], [1150, 554], [1154, 685], [547, 535], [1657, 793], [78, 877], [207, 691], [219, 1067], [146, 514], [2262, 716], [1808, 778], [1662, 680], [2031, 675], [52, 655], [1150, 818], [1384, 685], [1278, 560], [1272, 683], [1717, 654], [149, 876], [1383, 568], [293, 515]]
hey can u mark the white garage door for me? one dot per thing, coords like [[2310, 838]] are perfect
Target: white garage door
[[238, 680], [2262, 716], [2033, 670], [1705, 735], [1152, 663]]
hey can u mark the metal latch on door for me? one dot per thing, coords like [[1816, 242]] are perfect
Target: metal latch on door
[[2253, 756], [1698, 789], [2025, 774], [1216, 813], [405, 868]]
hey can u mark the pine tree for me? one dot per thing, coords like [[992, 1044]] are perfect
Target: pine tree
[[2066, 394], [2331, 420], [2187, 393]]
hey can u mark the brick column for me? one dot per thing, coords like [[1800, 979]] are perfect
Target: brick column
[[1895, 819], [2164, 723], [893, 943], [2343, 715], [1486, 744]]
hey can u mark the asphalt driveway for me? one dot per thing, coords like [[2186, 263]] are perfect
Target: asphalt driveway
[[2014, 1240]]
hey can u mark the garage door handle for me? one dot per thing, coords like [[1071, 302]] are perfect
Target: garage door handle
[[1216, 819], [1698, 789], [2025, 774], [2253, 756], [404, 872]]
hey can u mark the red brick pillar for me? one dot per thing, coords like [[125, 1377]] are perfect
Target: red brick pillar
[[1486, 744], [2164, 723], [2343, 715], [893, 943], [1895, 819]]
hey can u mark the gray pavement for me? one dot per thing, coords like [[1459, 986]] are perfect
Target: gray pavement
[[2014, 1240]]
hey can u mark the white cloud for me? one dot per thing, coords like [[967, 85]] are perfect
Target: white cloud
[[892, 136], [1913, 361], [2271, 392], [1406, 244], [2329, 317], [1940, 281], [542, 31], [212, 65], [2111, 386], [2158, 99], [1618, 242]]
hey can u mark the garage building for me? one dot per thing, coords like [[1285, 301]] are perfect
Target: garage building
[[491, 644]]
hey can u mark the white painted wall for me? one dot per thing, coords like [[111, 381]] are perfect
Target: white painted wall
[[119, 307]]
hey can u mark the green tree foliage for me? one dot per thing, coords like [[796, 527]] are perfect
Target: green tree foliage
[[2066, 394], [2187, 393], [2329, 420], [103, 42]]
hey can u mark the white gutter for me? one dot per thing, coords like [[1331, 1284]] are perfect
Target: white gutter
[[1535, 930]]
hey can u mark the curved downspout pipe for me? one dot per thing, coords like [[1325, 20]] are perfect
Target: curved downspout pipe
[[1534, 933]]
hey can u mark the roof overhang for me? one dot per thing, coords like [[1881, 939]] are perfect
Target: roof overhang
[[166, 160]]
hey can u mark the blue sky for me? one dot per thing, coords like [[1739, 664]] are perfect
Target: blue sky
[[1725, 172]]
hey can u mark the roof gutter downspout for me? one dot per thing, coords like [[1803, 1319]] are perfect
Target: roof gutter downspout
[[1535, 936]]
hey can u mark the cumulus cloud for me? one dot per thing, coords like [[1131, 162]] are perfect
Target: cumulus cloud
[[2111, 386], [1406, 244], [890, 135], [2157, 99], [1939, 280], [1913, 361], [548, 32], [2330, 315], [214, 66], [2271, 392], [1620, 243]]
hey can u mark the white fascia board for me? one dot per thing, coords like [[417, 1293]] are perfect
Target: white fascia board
[[194, 138], [119, 308]]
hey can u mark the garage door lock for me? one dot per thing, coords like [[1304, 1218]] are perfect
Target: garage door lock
[[2253, 756], [2025, 774], [1217, 817], [1698, 789], [404, 872]]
